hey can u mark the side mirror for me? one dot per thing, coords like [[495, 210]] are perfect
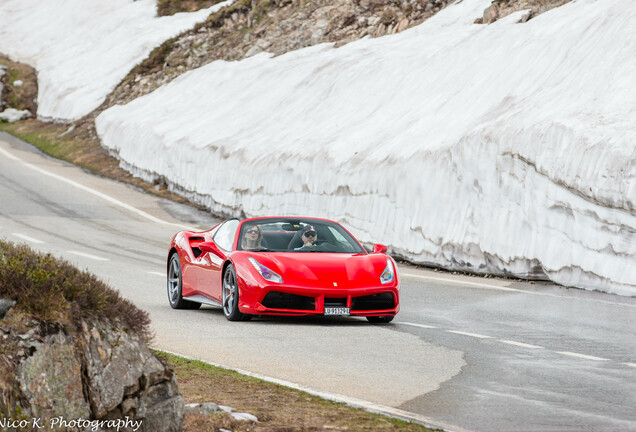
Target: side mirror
[[379, 248], [212, 248]]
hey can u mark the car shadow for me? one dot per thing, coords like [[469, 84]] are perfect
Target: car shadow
[[323, 321], [320, 320]]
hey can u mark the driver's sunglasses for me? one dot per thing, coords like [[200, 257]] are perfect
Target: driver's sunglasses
[[310, 234], [252, 231]]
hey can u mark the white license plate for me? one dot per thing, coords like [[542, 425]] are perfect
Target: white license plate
[[337, 311]]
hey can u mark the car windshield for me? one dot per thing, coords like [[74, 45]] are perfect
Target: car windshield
[[296, 235]]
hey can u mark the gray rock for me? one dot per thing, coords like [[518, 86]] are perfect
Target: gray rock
[[209, 408], [402, 25], [205, 408], [51, 379], [227, 409], [491, 13], [100, 372], [244, 416], [527, 16], [5, 304]]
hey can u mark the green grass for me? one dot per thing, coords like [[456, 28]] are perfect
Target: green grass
[[37, 139]]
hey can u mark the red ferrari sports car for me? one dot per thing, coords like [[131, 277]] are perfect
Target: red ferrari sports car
[[281, 266]]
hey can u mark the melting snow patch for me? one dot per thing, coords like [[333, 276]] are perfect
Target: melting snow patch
[[13, 115]]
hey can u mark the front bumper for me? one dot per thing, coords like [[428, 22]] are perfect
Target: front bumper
[[296, 301]]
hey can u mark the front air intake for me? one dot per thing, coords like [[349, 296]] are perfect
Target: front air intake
[[280, 300], [382, 301]]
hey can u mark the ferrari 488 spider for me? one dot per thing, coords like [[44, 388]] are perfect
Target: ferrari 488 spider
[[281, 266]]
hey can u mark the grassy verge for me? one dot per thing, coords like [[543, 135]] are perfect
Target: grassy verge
[[53, 140], [277, 408]]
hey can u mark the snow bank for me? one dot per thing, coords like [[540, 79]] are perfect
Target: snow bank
[[83, 48], [505, 149]]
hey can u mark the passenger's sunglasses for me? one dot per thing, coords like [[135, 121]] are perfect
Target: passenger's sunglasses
[[252, 231], [310, 234]]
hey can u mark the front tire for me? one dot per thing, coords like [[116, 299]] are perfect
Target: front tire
[[230, 296], [380, 319], [175, 283]]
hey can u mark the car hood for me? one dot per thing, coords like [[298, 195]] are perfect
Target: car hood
[[318, 269]]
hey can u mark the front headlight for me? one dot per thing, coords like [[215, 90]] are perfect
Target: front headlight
[[388, 275], [268, 275]]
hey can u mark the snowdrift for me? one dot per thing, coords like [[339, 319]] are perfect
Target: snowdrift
[[83, 49], [506, 148]]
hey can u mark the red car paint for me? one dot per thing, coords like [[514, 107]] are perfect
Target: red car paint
[[347, 279]]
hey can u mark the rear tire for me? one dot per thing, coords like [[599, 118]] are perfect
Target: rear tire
[[230, 297], [175, 283], [380, 319]]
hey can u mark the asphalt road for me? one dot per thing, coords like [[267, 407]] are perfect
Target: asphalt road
[[464, 353]]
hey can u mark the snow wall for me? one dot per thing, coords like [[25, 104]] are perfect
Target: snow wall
[[83, 48], [506, 148]]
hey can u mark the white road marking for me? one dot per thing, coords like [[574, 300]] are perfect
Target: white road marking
[[475, 335], [105, 197], [156, 273], [465, 283], [515, 343], [583, 356], [85, 255], [458, 282], [519, 344], [417, 325], [27, 238], [9, 155]]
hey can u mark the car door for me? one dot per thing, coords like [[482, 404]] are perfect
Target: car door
[[212, 265]]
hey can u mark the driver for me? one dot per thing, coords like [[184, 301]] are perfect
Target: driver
[[308, 237]]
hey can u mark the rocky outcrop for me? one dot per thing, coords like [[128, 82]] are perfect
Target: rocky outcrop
[[501, 8], [100, 373], [3, 72], [18, 97]]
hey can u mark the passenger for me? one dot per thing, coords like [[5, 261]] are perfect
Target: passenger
[[253, 238], [308, 237]]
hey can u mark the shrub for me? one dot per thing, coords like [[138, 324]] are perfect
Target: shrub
[[52, 290]]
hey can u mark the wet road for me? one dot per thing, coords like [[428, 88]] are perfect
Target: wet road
[[542, 358], [464, 353]]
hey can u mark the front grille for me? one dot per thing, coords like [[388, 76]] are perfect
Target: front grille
[[380, 301], [279, 300], [335, 302]]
